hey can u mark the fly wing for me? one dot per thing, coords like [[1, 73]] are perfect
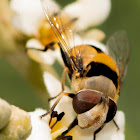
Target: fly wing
[[63, 34], [57, 26], [119, 49]]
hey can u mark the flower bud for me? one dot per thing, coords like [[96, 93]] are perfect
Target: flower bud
[[18, 127], [5, 112]]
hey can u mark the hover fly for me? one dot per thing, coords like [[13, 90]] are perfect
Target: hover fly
[[96, 76]]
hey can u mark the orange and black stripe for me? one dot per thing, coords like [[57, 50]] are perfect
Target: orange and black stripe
[[101, 64]]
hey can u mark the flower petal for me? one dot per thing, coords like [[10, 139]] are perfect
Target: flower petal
[[40, 127], [95, 34], [89, 12], [28, 15], [92, 42], [110, 131], [52, 84], [58, 132], [47, 57]]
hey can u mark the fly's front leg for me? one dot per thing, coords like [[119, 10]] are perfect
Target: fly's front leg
[[56, 102], [66, 70], [54, 105], [60, 95], [48, 46], [53, 113]]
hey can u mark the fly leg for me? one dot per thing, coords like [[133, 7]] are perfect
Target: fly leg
[[60, 116], [67, 138], [66, 70], [116, 124], [97, 131], [60, 95], [71, 95], [48, 46], [51, 111], [72, 125]]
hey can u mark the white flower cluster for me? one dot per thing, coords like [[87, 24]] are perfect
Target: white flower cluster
[[15, 123], [28, 18], [41, 128]]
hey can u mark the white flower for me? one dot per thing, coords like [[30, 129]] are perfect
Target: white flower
[[41, 127], [29, 14], [89, 12], [48, 57], [29, 17]]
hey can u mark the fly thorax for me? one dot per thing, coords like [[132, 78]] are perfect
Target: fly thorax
[[77, 83], [102, 84]]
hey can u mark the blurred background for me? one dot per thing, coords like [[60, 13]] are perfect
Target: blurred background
[[23, 86]]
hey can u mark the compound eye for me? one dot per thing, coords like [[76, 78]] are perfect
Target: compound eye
[[85, 100], [111, 111]]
